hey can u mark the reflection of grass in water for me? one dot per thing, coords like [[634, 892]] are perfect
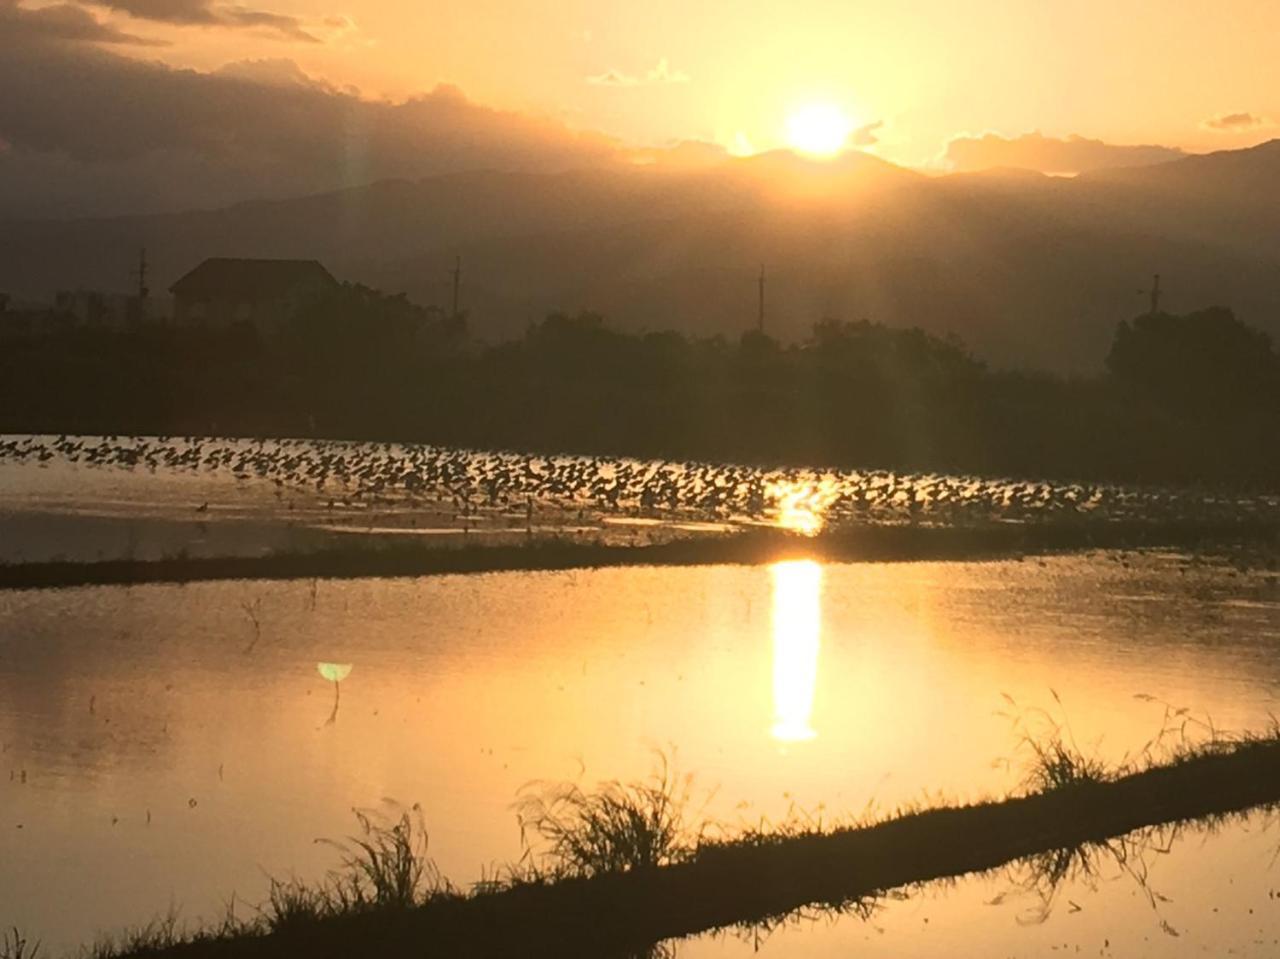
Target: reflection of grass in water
[[618, 872], [1044, 875], [1055, 762]]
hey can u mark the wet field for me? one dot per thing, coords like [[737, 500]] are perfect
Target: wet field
[[171, 747]]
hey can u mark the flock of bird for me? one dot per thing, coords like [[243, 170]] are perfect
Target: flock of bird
[[342, 474]]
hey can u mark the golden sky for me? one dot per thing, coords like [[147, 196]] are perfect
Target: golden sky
[[917, 73], [1124, 71]]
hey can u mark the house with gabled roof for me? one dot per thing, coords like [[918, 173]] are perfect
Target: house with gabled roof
[[266, 294]]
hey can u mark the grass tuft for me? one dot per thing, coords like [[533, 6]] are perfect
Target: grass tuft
[[388, 887], [386, 866], [616, 828], [1054, 760], [15, 945], [161, 933], [293, 904]]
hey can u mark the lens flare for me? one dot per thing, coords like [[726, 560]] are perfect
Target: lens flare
[[334, 672]]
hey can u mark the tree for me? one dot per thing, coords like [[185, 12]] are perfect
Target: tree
[[1205, 365]]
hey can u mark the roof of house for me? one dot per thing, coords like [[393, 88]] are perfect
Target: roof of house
[[227, 278]]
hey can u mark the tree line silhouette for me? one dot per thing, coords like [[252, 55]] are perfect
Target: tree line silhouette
[[1182, 399]]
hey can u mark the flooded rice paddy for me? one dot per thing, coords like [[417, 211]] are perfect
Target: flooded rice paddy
[[171, 747], [167, 745]]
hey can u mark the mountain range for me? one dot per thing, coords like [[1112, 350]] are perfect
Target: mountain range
[[1028, 270]]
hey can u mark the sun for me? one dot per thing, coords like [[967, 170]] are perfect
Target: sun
[[819, 129]]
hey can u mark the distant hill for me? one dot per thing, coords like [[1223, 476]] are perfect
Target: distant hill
[[1028, 270]]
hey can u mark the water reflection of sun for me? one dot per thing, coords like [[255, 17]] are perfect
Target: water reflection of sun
[[797, 587], [801, 505]]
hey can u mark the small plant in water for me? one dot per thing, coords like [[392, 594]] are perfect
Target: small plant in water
[[251, 610], [616, 828]]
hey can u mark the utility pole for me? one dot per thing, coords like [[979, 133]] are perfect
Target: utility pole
[[1154, 292], [760, 305], [141, 274], [136, 312], [456, 273]]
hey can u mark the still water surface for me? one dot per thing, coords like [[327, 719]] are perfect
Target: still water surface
[[167, 745]]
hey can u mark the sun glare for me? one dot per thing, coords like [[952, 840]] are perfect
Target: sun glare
[[800, 505], [819, 129]]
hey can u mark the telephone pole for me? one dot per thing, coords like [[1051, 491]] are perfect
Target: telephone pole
[[760, 305], [456, 273], [1154, 292], [141, 274]]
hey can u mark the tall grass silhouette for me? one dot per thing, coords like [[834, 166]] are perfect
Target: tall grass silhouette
[[617, 827], [15, 945]]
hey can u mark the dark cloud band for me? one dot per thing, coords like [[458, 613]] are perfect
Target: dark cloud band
[[206, 13], [97, 132], [63, 22]]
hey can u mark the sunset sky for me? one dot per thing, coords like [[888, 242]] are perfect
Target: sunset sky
[[157, 105], [1124, 71]]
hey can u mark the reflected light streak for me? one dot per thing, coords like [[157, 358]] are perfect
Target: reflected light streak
[[797, 587]]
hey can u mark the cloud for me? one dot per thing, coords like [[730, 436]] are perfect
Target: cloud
[[681, 155], [1235, 122], [1033, 151], [62, 22], [207, 13], [660, 75], [339, 28], [97, 133], [865, 136], [271, 72]]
